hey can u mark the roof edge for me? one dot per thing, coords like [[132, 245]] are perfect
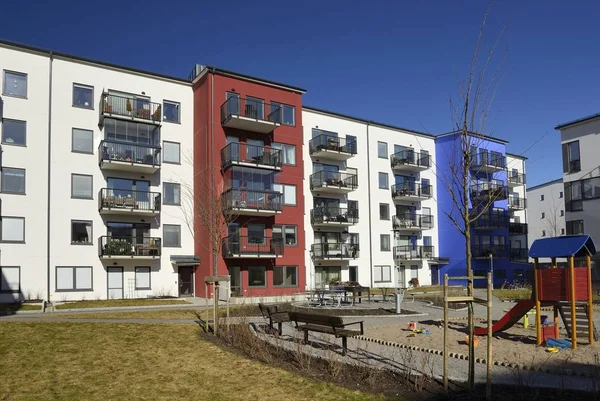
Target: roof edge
[[487, 137], [577, 121], [516, 155], [544, 184]]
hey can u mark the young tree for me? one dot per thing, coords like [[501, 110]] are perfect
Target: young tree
[[553, 221]]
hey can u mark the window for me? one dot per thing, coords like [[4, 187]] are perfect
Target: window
[[257, 276], [382, 274], [73, 278], [171, 235], [289, 193], [541, 197], [426, 186], [543, 233], [384, 240], [571, 157], [171, 193], [562, 213], [171, 112], [285, 114], [13, 180], [285, 276], [82, 141], [81, 186], [383, 181], [288, 152], [352, 205], [10, 279], [575, 227], [14, 132], [13, 229], [353, 273], [543, 215], [561, 194], [382, 150], [15, 84], [142, 278], [384, 211], [286, 233], [171, 152], [81, 232], [562, 231], [83, 96], [255, 108]]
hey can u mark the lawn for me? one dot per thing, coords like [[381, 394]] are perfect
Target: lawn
[[115, 303], [17, 307], [512, 295], [170, 313], [57, 361]]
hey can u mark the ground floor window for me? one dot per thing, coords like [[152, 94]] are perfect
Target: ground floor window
[[70, 278], [382, 274], [414, 271], [285, 276], [10, 279], [257, 276], [353, 273], [327, 275], [142, 278]]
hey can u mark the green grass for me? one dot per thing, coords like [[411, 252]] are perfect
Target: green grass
[[512, 295], [57, 361], [18, 307], [115, 303]]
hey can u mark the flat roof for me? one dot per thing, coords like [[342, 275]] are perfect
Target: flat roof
[[558, 180], [578, 121], [222, 71], [489, 138], [515, 155]]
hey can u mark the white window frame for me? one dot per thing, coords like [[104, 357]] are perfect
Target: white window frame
[[143, 270], [74, 274]]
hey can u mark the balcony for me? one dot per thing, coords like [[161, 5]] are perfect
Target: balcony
[[253, 203], [485, 162], [488, 192], [409, 160], [129, 202], [411, 191], [252, 247], [413, 252], [483, 251], [412, 222], [129, 108], [129, 247], [516, 203], [491, 222], [333, 182], [328, 216], [332, 147], [128, 157], [250, 115], [334, 251], [514, 179], [241, 154], [517, 228], [519, 254]]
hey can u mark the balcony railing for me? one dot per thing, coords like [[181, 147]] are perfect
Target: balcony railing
[[135, 154], [514, 179], [413, 252], [142, 247], [334, 215], [238, 246], [140, 108], [129, 200], [411, 221], [237, 153], [484, 250], [489, 191], [334, 179], [334, 251], [491, 221], [519, 254], [409, 159], [411, 190], [514, 202], [324, 144], [487, 162], [250, 114], [517, 228], [265, 201]]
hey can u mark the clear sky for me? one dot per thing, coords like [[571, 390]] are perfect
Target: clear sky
[[391, 61]]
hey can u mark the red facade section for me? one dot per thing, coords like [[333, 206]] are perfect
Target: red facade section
[[555, 284], [210, 137]]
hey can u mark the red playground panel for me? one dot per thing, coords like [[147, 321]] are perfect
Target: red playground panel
[[555, 284]]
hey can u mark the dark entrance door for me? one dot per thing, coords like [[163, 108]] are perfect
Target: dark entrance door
[[186, 281], [435, 274]]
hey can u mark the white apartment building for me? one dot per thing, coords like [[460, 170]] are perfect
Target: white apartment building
[[91, 150], [546, 210], [517, 205], [370, 208]]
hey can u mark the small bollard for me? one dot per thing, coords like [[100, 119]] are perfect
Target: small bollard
[[399, 296]]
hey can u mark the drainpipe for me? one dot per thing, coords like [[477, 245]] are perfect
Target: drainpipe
[[369, 203], [48, 267]]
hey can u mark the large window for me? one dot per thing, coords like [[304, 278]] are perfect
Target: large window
[[131, 132], [171, 112], [14, 132], [285, 116], [83, 96], [384, 211], [327, 275], [171, 235], [571, 157], [578, 191], [81, 186], [288, 152], [171, 152], [382, 274], [289, 193], [73, 278], [285, 276], [13, 180], [171, 193], [383, 181], [257, 276], [81, 232], [13, 229], [10, 279], [286, 233], [142, 278], [15, 84], [82, 141], [384, 240], [382, 150], [575, 227]]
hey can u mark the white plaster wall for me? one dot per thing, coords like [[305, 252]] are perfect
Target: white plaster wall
[[552, 205], [519, 216]]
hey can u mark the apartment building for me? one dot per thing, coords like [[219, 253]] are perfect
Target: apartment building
[[546, 210]]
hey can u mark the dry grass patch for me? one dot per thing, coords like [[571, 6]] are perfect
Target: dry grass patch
[[175, 313], [18, 307], [512, 295], [116, 303]]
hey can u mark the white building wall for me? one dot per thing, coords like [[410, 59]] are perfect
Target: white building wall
[[552, 223], [516, 164]]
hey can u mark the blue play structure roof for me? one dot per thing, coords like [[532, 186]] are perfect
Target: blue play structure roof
[[562, 247]]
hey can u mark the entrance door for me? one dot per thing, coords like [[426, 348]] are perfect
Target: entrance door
[[115, 282], [236, 281], [401, 276], [435, 274], [186, 281]]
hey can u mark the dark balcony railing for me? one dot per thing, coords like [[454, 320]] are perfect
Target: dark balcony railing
[[126, 199], [129, 153], [252, 246], [411, 158], [250, 108], [237, 152], [517, 228], [251, 199], [407, 221], [411, 189], [515, 202], [519, 254], [334, 250], [489, 191], [484, 250], [324, 179], [332, 143], [487, 159], [515, 178], [129, 246], [130, 107], [334, 215], [410, 252], [491, 221]]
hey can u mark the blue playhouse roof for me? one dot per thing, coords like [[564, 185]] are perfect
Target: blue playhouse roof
[[562, 247]]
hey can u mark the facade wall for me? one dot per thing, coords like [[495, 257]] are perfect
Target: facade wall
[[552, 222]]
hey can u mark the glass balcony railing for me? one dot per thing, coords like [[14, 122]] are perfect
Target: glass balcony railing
[[238, 152], [332, 143], [412, 221], [267, 201], [411, 190], [514, 202], [334, 215], [130, 107], [129, 200], [237, 246], [409, 158], [334, 250], [517, 228], [111, 246], [484, 250], [412, 252], [137, 154], [250, 108], [488, 191], [515, 179], [334, 179]]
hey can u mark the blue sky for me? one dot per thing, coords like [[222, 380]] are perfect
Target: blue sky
[[391, 61]]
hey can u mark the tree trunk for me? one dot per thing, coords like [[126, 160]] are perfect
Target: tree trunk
[[467, 221], [215, 292]]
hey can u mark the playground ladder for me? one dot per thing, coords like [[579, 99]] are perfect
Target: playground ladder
[[581, 314]]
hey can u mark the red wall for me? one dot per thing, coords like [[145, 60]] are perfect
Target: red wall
[[293, 215]]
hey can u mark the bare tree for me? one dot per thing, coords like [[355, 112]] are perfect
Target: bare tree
[[552, 217]]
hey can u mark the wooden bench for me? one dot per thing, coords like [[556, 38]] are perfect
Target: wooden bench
[[274, 315], [333, 325]]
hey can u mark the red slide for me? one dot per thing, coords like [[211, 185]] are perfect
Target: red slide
[[508, 320]]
